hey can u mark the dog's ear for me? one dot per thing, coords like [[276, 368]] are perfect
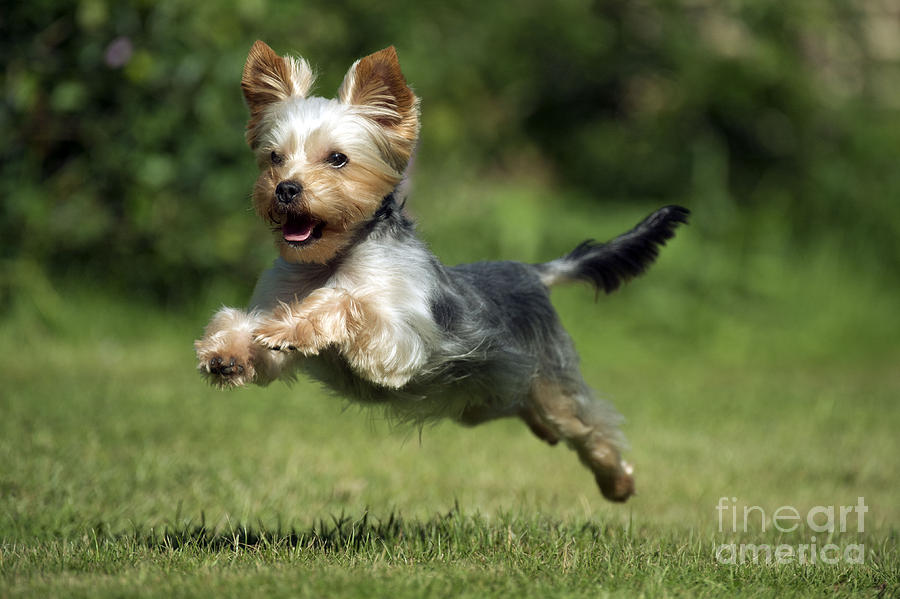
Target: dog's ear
[[376, 84], [269, 78]]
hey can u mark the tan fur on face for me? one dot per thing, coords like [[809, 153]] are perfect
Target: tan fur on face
[[343, 199], [374, 123]]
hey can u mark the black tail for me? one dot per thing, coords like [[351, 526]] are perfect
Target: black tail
[[608, 265]]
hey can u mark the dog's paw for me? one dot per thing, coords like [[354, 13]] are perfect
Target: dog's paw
[[224, 364], [226, 371], [616, 484], [230, 367]]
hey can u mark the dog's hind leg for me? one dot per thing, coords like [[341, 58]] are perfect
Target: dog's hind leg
[[537, 426], [476, 414], [566, 410]]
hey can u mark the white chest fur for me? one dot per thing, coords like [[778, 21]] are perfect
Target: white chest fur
[[395, 280]]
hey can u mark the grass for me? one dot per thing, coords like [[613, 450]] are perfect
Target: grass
[[747, 374]]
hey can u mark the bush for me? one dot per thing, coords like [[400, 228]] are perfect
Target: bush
[[124, 158]]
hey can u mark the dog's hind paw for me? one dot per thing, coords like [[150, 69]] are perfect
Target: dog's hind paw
[[617, 484]]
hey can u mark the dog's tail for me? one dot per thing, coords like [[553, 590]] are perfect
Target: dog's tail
[[607, 265]]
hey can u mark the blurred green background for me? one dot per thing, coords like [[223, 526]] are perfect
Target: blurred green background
[[123, 159]]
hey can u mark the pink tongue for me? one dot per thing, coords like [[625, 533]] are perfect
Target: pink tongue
[[297, 231]]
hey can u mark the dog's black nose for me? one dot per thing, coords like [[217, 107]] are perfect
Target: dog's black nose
[[287, 191]]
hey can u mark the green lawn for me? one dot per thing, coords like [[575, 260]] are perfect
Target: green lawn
[[773, 381]]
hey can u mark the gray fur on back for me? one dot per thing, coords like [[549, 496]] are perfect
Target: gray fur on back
[[499, 331]]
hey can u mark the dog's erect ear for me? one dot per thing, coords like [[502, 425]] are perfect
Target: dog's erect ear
[[269, 78], [376, 84]]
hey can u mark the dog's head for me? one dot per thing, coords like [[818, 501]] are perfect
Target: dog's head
[[325, 164]]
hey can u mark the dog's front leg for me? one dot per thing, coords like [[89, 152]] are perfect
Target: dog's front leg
[[380, 348], [228, 354], [327, 316]]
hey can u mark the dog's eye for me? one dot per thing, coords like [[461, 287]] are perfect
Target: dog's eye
[[336, 159], [276, 158]]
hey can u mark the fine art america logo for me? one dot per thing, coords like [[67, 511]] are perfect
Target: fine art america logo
[[823, 520]]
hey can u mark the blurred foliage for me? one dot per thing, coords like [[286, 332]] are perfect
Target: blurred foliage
[[123, 157]]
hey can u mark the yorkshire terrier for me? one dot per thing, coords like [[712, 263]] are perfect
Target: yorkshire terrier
[[359, 303]]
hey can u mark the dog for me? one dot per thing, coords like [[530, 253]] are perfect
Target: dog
[[358, 302]]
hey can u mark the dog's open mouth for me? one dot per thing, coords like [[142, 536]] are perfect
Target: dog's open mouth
[[300, 229]]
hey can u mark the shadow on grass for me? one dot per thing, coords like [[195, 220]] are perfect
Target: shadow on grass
[[345, 534]]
